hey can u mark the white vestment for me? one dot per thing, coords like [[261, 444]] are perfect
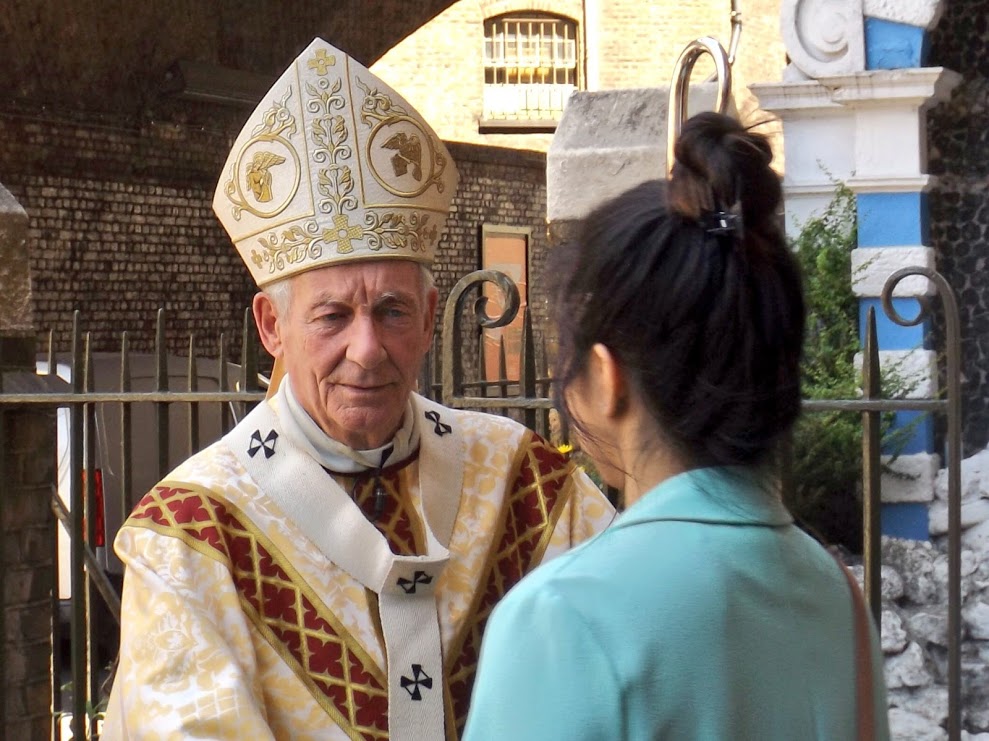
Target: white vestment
[[266, 598]]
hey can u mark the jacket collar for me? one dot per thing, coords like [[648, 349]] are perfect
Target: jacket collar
[[727, 496]]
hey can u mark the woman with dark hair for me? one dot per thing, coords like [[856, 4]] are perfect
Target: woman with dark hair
[[703, 612]]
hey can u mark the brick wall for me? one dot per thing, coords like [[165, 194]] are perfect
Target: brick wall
[[439, 68], [112, 57], [959, 157], [500, 187], [28, 532], [120, 225], [640, 42]]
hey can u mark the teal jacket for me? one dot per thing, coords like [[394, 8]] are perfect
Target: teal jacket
[[702, 614]]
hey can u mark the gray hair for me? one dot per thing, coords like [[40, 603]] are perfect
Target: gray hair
[[280, 292]]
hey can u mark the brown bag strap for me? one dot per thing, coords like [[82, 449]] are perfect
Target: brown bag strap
[[864, 696]]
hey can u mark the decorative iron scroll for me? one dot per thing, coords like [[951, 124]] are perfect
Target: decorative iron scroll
[[452, 361]]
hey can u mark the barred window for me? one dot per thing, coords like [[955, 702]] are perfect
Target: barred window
[[530, 67]]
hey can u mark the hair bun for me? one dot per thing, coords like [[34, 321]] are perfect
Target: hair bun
[[722, 166]]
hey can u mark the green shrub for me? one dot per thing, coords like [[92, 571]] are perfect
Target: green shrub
[[825, 471], [824, 480]]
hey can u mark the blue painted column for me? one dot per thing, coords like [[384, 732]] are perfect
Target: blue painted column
[[855, 113], [890, 184], [888, 222]]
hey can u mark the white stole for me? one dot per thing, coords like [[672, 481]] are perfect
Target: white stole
[[334, 523]]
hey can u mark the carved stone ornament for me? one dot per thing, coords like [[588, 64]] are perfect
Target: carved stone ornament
[[824, 37]]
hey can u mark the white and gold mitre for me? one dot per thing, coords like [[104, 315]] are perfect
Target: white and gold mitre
[[333, 166]]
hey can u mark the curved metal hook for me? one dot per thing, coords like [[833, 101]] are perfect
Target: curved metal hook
[[452, 361], [736, 32], [679, 88]]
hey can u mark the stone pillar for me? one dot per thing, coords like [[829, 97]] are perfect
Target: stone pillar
[[853, 105], [27, 526], [606, 143]]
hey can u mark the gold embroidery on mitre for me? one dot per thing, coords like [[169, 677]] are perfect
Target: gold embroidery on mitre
[[409, 154], [268, 147], [259, 174], [393, 230], [321, 61], [330, 137], [395, 148], [297, 243], [334, 166], [342, 233]]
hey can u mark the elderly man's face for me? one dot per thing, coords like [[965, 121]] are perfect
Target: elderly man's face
[[352, 342]]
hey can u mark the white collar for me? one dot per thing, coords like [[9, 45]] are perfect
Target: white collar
[[333, 454]]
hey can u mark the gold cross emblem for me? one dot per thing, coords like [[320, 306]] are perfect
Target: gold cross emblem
[[342, 233], [321, 61]]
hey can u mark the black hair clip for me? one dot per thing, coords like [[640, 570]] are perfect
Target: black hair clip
[[722, 223]]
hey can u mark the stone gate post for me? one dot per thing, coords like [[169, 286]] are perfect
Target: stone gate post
[[853, 105], [27, 526], [607, 142]]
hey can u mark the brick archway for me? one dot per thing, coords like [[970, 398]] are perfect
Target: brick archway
[[128, 56], [367, 30]]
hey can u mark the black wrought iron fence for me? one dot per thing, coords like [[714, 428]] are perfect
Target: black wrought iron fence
[[116, 434], [533, 402], [172, 406]]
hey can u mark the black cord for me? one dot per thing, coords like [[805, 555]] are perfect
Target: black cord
[[380, 493]]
